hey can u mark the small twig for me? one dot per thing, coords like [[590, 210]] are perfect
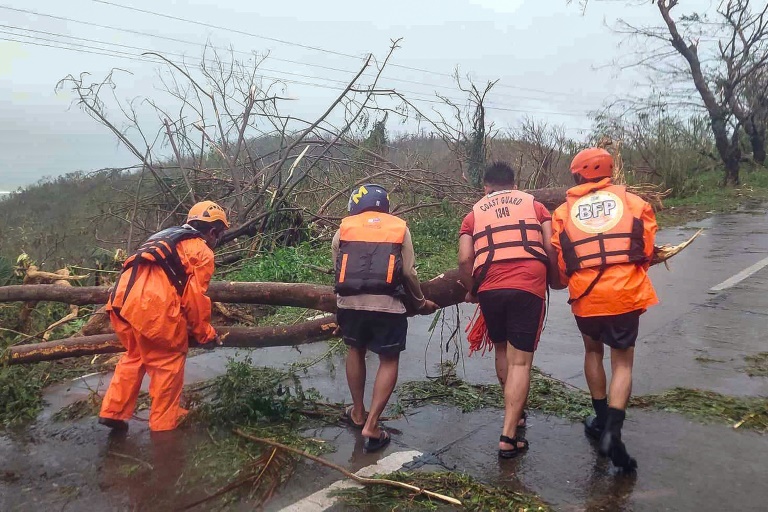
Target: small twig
[[134, 459], [356, 478]]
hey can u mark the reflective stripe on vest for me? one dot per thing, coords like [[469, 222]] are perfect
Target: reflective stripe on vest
[[370, 256], [507, 228], [160, 250], [600, 230]]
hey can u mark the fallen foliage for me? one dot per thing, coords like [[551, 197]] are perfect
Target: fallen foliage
[[552, 396], [739, 411], [547, 394], [473, 494], [757, 364]]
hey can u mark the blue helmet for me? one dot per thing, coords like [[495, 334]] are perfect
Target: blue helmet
[[369, 197]]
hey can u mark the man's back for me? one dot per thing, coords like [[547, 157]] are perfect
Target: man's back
[[622, 287]]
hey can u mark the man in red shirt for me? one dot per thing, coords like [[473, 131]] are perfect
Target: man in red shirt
[[505, 253]]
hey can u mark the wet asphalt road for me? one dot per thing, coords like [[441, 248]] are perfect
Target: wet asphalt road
[[684, 465]]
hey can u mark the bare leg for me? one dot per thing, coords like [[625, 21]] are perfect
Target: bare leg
[[515, 392], [386, 379], [356, 382], [593, 367], [500, 351], [621, 379]]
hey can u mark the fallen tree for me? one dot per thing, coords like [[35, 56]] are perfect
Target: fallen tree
[[251, 337], [445, 290]]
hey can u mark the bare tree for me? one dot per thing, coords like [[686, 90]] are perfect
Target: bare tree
[[721, 54], [465, 130], [220, 133], [542, 147]]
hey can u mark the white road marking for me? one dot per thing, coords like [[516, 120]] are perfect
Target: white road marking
[[321, 500], [736, 279]]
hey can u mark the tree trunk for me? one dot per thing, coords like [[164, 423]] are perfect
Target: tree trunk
[[757, 140], [256, 337]]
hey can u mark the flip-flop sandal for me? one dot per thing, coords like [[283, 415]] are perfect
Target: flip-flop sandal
[[514, 452], [347, 418], [373, 444], [523, 423]]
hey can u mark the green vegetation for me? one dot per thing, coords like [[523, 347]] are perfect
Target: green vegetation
[[547, 394], [757, 365], [552, 396], [267, 403], [473, 495], [435, 240], [707, 196], [747, 412], [289, 265]]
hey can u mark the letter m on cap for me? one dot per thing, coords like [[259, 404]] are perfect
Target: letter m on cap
[[359, 195]]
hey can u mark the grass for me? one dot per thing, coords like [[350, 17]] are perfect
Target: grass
[[710, 197], [474, 495], [757, 365]]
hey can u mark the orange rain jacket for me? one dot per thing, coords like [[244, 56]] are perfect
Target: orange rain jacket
[[153, 323], [623, 287]]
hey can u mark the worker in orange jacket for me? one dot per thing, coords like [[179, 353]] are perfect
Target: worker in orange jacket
[[158, 302], [604, 238]]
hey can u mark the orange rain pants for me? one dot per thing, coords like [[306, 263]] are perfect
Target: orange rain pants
[[166, 379], [152, 322]]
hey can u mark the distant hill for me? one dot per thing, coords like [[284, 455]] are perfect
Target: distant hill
[[80, 218]]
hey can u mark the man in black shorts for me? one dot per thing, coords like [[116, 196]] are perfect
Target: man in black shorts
[[504, 257], [375, 274], [604, 239]]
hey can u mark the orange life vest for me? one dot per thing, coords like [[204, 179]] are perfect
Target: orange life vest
[[507, 228], [600, 230], [160, 250], [370, 256]]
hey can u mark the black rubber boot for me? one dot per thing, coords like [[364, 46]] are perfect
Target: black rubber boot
[[113, 423], [592, 428], [611, 444]]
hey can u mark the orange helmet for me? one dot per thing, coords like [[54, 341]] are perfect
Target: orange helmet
[[593, 163], [208, 211]]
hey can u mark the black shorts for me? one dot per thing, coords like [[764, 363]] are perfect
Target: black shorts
[[515, 316], [616, 331], [382, 333]]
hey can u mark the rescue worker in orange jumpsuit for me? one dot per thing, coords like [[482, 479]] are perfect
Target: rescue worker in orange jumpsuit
[[504, 258], [375, 277], [604, 238], [158, 302]]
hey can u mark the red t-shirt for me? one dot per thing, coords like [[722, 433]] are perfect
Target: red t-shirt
[[527, 275]]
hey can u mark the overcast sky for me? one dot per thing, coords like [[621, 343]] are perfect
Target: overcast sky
[[549, 58]]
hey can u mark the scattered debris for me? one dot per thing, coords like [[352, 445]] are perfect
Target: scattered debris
[[474, 495], [547, 394], [749, 412], [419, 490], [757, 364]]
